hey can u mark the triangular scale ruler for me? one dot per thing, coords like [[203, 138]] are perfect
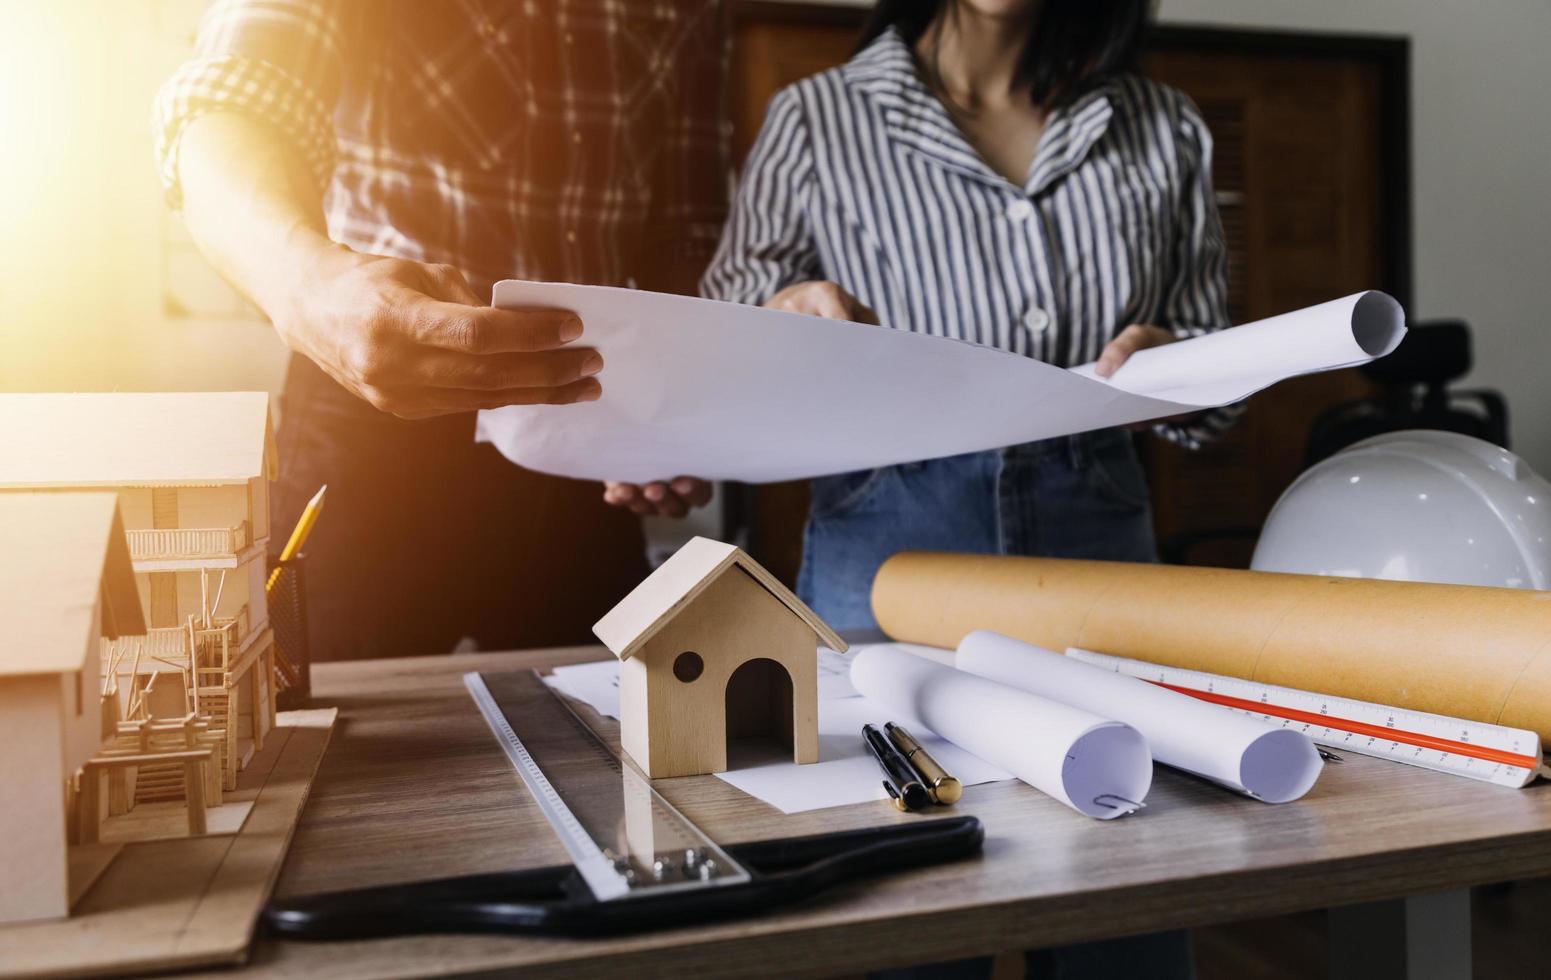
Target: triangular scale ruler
[[625, 840], [1476, 750]]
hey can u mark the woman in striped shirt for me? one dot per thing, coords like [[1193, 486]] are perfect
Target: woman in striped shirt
[[989, 171]]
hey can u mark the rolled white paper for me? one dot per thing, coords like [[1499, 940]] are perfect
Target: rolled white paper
[[1092, 764], [1344, 332], [1277, 765], [698, 386]]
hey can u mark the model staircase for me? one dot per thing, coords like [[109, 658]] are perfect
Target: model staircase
[[157, 783], [214, 705]]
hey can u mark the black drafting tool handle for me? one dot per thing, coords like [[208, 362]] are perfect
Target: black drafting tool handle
[[555, 900]]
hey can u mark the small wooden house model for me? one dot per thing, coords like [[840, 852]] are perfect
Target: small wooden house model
[[65, 585], [712, 648]]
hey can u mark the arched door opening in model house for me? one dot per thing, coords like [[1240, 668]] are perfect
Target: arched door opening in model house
[[759, 713]]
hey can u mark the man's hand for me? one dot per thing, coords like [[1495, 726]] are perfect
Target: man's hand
[[821, 298], [413, 339], [1138, 336], [409, 338], [672, 499]]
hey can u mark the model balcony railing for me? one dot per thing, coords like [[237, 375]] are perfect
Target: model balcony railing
[[169, 646], [187, 542], [213, 659], [167, 643]]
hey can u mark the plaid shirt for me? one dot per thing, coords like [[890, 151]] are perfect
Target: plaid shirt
[[575, 140]]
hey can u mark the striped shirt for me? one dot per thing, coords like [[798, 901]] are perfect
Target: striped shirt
[[860, 176]]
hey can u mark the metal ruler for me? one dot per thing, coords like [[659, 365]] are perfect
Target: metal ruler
[[1476, 750], [625, 840]]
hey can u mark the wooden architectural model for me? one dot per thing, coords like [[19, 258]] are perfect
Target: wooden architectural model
[[65, 585], [192, 472], [712, 647]]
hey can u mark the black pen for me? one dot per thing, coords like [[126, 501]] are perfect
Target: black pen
[[900, 780]]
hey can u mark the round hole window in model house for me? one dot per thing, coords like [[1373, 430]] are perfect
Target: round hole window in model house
[[688, 666]]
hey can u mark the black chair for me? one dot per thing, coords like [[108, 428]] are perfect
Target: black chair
[[1414, 393]]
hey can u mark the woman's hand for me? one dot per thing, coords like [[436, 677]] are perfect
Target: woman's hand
[[821, 298], [1138, 336], [674, 498]]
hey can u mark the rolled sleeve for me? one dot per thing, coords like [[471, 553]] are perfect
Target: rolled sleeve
[[275, 60]]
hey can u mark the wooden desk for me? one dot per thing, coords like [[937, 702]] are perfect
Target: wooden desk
[[413, 786]]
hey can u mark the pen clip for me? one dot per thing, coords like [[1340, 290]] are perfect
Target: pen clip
[[1130, 806], [888, 787]]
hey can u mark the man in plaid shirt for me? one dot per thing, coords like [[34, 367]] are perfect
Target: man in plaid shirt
[[364, 170]]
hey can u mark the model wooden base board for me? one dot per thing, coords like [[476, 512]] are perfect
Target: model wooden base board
[[184, 901]]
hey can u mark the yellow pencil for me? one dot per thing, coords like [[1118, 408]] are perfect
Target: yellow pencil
[[299, 533]]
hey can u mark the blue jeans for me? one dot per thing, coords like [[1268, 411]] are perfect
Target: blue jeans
[[1082, 496]]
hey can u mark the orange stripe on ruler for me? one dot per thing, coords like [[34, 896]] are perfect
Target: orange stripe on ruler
[[1362, 728]]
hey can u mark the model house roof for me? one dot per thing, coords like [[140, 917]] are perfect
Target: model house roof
[[652, 605], [60, 553], [119, 439]]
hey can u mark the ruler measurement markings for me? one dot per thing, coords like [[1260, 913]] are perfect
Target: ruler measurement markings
[[1476, 750], [600, 771], [1354, 727], [591, 863]]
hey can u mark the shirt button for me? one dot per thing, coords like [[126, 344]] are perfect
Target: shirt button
[[1036, 319], [570, 236], [576, 137], [1020, 209]]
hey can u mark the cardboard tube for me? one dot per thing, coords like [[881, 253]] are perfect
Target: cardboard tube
[[1482, 654]]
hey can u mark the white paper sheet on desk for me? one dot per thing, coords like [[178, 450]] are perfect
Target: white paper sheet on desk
[[1277, 765], [725, 391], [835, 675], [844, 774], [595, 684]]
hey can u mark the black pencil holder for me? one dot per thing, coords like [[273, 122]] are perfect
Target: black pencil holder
[[288, 618]]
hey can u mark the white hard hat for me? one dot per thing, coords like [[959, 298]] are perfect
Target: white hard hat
[[1418, 506]]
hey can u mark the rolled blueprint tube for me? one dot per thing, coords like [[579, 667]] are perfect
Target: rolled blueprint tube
[[1268, 762], [1094, 765], [1471, 652]]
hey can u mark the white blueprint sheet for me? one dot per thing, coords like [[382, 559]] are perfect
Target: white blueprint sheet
[[695, 387]]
